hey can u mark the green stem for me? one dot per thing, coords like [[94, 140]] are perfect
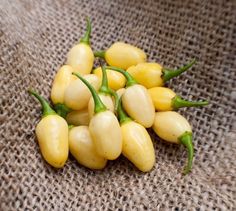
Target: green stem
[[47, 110], [169, 74], [98, 104], [123, 117], [178, 102], [62, 109], [104, 87], [186, 140], [130, 80], [100, 54], [86, 38], [115, 95]]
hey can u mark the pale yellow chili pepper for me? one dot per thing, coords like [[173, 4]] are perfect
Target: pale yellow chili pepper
[[122, 55], [81, 57], [153, 74], [52, 135], [165, 99], [104, 128], [83, 149], [174, 128]]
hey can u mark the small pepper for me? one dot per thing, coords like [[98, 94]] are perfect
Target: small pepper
[[153, 74], [104, 127], [122, 55], [52, 135], [61, 81], [77, 95], [77, 118], [81, 57], [115, 80], [165, 99], [136, 100], [137, 144], [105, 94], [174, 128], [83, 149]]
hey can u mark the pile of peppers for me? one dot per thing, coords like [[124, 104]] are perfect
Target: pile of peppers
[[99, 114]]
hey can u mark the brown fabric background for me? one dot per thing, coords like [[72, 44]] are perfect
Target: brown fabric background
[[34, 39]]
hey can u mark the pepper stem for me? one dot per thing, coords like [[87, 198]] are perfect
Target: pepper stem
[[86, 38], [178, 102], [186, 140], [98, 104], [46, 108], [115, 95], [123, 117], [104, 87], [130, 80], [62, 109], [100, 54], [169, 74]]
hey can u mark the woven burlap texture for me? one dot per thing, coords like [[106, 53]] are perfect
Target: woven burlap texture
[[35, 37]]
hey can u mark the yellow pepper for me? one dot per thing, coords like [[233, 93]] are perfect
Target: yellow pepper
[[137, 101], [77, 95], [165, 99], [52, 135], [104, 127], [137, 144], [174, 128], [83, 149], [81, 57], [105, 94], [122, 55], [153, 74], [115, 80], [77, 118], [61, 81]]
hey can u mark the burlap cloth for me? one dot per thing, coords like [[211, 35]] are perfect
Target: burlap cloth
[[34, 39]]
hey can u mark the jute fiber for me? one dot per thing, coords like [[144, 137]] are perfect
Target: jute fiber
[[35, 37]]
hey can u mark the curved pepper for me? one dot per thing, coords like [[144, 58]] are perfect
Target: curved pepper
[[174, 128], [153, 74], [137, 144], [122, 55], [115, 80], [77, 118], [136, 100], [165, 99], [104, 127], [52, 135], [81, 57], [105, 94], [77, 95], [83, 149]]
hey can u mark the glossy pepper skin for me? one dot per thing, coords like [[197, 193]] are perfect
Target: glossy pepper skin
[[115, 80], [61, 81], [153, 74], [174, 128], [104, 128], [80, 56], [83, 149], [122, 55], [77, 118], [137, 101], [52, 135], [165, 99], [105, 94], [137, 144], [77, 95]]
